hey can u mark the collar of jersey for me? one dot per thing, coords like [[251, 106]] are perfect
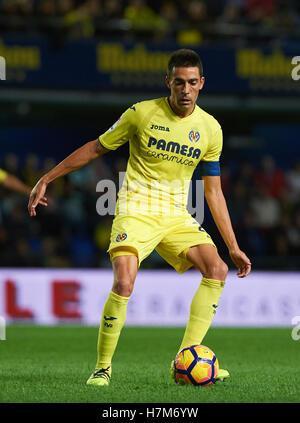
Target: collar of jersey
[[176, 117]]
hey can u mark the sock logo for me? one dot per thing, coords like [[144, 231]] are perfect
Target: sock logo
[[109, 325], [109, 318], [215, 307]]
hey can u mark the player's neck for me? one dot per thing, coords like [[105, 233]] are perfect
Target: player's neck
[[182, 113]]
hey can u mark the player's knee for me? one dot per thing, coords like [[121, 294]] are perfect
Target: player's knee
[[224, 271], [125, 268], [217, 271], [123, 287]]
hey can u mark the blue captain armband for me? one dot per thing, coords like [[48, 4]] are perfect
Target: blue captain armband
[[210, 169]]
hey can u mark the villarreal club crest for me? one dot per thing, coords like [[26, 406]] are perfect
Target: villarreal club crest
[[121, 237], [194, 136]]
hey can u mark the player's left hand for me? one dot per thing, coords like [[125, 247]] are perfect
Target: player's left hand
[[37, 197], [241, 261]]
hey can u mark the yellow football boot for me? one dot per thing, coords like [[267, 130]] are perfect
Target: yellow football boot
[[100, 377]]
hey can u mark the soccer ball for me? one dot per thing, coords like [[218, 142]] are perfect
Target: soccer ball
[[196, 365]]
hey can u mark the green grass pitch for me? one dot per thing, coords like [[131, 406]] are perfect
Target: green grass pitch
[[52, 364]]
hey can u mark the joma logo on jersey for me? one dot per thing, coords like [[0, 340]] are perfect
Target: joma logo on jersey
[[160, 128], [175, 147]]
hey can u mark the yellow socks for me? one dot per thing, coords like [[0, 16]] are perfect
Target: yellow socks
[[112, 321], [203, 308]]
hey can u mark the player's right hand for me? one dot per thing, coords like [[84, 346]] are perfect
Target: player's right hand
[[241, 261], [37, 196]]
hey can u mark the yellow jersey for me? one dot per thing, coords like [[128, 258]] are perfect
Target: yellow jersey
[[164, 152]]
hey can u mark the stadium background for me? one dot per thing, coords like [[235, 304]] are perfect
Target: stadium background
[[72, 68]]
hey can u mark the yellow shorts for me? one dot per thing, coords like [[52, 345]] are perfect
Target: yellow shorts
[[170, 236]]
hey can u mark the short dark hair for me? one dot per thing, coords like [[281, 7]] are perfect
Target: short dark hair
[[184, 58]]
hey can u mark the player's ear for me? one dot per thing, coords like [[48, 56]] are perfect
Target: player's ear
[[167, 81], [202, 80]]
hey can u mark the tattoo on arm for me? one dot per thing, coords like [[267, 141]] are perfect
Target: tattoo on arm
[[100, 150]]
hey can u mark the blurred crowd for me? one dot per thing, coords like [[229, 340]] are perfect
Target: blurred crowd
[[189, 22], [264, 203]]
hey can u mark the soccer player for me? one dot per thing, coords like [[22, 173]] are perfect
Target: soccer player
[[12, 182], [168, 137]]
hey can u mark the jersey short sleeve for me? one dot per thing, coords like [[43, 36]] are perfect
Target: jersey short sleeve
[[210, 165], [121, 131], [3, 175]]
